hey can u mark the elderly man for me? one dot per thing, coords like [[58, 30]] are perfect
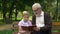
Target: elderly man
[[41, 19]]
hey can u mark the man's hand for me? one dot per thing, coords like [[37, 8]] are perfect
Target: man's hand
[[36, 28]]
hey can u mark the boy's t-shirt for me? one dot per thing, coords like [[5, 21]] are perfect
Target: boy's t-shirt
[[22, 23]]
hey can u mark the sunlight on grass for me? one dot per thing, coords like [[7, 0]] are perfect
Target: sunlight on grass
[[6, 32], [55, 30]]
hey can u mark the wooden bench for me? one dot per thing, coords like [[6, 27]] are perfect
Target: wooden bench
[[55, 26], [15, 25]]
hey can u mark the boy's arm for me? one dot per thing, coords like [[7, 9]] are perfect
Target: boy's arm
[[19, 28]]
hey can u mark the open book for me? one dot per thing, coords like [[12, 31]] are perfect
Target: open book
[[28, 27]]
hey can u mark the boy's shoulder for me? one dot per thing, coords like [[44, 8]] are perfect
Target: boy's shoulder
[[21, 21]]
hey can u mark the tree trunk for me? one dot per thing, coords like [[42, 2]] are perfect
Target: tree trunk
[[4, 9]]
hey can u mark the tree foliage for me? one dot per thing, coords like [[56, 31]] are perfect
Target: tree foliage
[[8, 6]]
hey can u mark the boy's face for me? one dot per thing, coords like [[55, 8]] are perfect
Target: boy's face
[[25, 17]]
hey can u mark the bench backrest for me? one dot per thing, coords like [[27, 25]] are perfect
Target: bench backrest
[[56, 23]]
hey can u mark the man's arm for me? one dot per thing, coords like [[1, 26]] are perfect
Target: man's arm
[[48, 23], [34, 20]]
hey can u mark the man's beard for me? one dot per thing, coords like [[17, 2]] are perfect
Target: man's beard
[[37, 15]]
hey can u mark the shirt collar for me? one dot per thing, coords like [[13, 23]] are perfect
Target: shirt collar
[[42, 13], [23, 20]]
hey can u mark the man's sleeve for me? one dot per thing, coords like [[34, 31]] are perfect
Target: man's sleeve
[[48, 23], [33, 20]]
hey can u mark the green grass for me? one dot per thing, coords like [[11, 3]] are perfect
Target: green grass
[[6, 32], [2, 22], [10, 31], [55, 30]]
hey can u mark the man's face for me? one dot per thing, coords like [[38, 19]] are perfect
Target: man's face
[[36, 11]]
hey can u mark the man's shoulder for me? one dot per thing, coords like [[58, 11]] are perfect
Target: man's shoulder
[[46, 13], [33, 16]]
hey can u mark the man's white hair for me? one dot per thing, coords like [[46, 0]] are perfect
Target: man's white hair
[[37, 5]]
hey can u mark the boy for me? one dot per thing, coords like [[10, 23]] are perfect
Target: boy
[[24, 22]]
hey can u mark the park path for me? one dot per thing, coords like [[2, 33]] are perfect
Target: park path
[[7, 26]]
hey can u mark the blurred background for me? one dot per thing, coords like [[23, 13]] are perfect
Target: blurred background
[[11, 13]]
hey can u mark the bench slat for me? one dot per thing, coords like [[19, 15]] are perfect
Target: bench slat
[[56, 23]]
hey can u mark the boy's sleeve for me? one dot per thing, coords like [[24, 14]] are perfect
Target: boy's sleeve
[[30, 23], [20, 24]]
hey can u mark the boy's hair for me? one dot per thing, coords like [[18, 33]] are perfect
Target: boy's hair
[[25, 13]]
